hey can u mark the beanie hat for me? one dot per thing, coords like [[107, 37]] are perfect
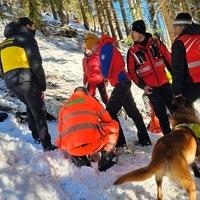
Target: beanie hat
[[139, 26], [24, 21], [90, 40], [183, 19]]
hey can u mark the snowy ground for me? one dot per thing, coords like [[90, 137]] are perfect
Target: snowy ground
[[26, 172]]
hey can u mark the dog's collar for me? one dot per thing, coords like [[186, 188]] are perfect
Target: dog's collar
[[192, 126]]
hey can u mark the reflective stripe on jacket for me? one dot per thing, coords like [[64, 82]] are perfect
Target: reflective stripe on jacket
[[148, 63], [79, 125], [192, 49]]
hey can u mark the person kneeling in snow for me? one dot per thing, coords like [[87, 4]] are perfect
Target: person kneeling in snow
[[86, 129]]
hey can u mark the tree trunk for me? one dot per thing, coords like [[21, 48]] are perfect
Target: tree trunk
[[61, 11], [53, 9], [85, 19], [100, 16], [104, 16], [137, 9], [124, 16], [131, 8], [34, 13], [107, 8], [89, 7], [169, 14], [116, 21]]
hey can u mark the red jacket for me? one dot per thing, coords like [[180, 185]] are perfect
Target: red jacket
[[146, 64], [192, 48], [83, 125], [115, 70], [91, 69]]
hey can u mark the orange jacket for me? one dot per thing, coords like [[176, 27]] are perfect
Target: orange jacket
[[81, 125], [192, 48]]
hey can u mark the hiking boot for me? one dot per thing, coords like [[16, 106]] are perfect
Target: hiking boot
[[108, 159], [50, 148], [142, 144], [80, 161]]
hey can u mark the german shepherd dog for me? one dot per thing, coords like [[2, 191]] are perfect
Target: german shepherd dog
[[173, 152]]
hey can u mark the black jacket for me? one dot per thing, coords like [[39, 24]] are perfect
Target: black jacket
[[179, 62], [24, 39]]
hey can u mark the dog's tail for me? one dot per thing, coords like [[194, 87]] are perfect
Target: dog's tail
[[137, 175]]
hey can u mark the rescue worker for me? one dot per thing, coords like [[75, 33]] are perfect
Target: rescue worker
[[92, 75], [86, 128], [147, 59], [186, 57], [24, 75], [113, 69]]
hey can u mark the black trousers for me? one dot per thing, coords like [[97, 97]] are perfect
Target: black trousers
[[192, 91], [122, 96], [160, 98], [30, 95], [102, 91]]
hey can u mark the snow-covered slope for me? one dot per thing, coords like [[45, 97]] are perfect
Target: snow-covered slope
[[28, 173]]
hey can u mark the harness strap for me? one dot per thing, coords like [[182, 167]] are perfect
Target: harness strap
[[194, 128]]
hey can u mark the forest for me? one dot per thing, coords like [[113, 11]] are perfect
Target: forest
[[112, 17]]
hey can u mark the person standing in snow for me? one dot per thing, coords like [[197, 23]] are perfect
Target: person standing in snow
[[21, 64], [147, 59], [113, 68], [92, 75], [186, 57], [86, 129]]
